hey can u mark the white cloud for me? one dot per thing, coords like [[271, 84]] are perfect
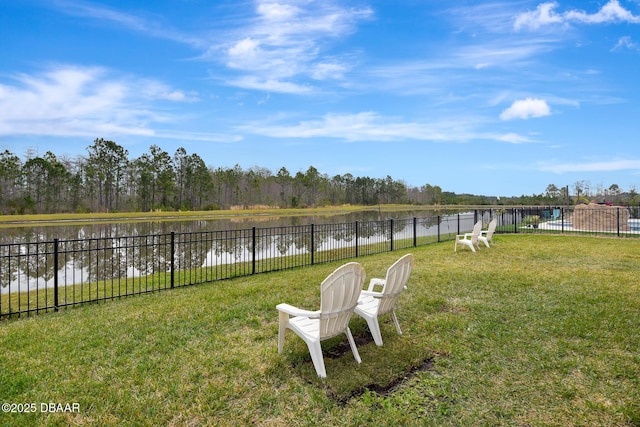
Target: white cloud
[[545, 15], [488, 17], [155, 90], [270, 85], [609, 166], [273, 11], [124, 20], [451, 70], [67, 100], [626, 43], [247, 54], [514, 138], [285, 41], [526, 109], [610, 12], [370, 126], [328, 70], [196, 136], [352, 127]]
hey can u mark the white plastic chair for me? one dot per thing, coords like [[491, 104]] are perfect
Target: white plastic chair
[[486, 235], [339, 294], [469, 239], [373, 304]]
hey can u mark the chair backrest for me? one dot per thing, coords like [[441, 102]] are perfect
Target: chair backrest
[[477, 229], [395, 281], [339, 294], [492, 227]]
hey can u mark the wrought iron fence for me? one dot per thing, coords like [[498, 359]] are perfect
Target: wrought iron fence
[[46, 276], [593, 220]]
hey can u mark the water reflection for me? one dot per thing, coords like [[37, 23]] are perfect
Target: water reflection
[[31, 259], [139, 228]]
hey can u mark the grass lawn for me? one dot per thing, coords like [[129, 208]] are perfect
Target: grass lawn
[[536, 331]]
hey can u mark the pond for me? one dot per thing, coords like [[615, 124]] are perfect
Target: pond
[[40, 257], [104, 229]]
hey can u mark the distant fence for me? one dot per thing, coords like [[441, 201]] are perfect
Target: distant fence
[[46, 276], [593, 220]]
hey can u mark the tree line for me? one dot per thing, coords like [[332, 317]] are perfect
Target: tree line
[[107, 180]]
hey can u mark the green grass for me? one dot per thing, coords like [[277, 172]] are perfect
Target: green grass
[[537, 331]]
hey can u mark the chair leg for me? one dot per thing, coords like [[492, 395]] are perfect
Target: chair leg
[[468, 244], [395, 320], [374, 327], [352, 343], [282, 329], [315, 349]]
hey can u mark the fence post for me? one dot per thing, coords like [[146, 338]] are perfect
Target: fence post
[[514, 219], [415, 232], [458, 232], [55, 276], [438, 219], [618, 220], [391, 232], [356, 239], [313, 245], [173, 258], [253, 250]]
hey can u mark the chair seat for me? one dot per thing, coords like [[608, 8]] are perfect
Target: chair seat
[[367, 304], [304, 326]]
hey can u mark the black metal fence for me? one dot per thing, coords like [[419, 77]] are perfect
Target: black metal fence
[[46, 276], [592, 220]]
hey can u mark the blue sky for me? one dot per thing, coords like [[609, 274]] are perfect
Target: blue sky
[[497, 98]]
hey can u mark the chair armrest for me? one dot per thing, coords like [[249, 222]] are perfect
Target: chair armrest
[[371, 294], [295, 311], [376, 282]]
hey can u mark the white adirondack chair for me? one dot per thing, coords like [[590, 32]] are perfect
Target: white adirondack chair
[[469, 239], [339, 294], [486, 235], [373, 304]]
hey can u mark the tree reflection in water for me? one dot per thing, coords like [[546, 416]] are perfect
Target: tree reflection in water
[[109, 254]]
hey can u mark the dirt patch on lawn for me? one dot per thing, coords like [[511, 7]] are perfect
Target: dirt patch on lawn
[[393, 385]]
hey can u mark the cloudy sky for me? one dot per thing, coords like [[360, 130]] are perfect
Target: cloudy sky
[[496, 97]]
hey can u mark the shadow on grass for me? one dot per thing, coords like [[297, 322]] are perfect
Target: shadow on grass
[[342, 387]]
